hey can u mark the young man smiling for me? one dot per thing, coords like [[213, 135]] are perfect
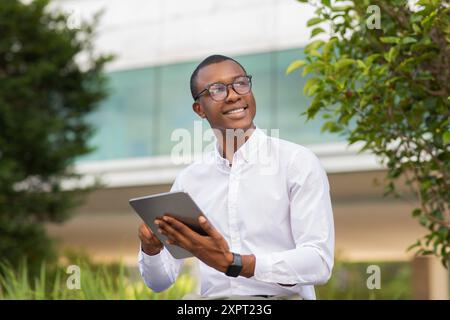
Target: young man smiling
[[269, 234]]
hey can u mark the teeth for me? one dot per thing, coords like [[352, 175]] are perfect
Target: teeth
[[236, 110]]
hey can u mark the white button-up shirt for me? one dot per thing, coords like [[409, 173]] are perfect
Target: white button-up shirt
[[273, 202]]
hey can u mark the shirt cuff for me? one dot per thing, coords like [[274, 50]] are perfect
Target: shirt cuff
[[263, 267], [271, 268], [154, 260]]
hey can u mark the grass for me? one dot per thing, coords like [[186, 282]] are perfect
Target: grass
[[97, 282], [118, 282]]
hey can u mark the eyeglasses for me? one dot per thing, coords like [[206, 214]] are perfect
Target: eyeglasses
[[219, 91]]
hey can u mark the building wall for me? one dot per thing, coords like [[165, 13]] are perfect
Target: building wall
[[154, 32]]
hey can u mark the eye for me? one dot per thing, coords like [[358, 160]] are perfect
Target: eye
[[217, 88], [241, 82]]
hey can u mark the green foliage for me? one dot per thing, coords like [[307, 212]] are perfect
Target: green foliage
[[97, 282], [44, 99], [118, 282], [393, 85], [349, 281]]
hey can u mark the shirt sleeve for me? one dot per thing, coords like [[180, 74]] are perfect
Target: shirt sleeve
[[160, 271], [311, 262]]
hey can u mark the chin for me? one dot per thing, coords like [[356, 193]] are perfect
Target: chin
[[243, 124]]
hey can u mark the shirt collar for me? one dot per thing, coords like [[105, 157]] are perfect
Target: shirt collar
[[246, 152]]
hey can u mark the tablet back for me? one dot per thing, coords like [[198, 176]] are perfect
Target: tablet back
[[177, 204]]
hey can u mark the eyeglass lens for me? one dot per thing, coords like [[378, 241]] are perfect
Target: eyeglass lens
[[219, 91]]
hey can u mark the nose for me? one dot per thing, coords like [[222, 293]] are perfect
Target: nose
[[232, 96]]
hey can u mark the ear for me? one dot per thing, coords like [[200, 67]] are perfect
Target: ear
[[198, 109]]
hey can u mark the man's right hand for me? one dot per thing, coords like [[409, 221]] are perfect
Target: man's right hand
[[149, 242]]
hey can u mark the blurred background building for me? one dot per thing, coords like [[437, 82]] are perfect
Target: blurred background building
[[158, 43]]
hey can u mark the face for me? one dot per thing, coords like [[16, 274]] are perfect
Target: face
[[218, 112]]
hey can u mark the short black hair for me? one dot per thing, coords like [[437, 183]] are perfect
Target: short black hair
[[216, 58]]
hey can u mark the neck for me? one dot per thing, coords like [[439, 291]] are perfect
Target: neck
[[230, 140]]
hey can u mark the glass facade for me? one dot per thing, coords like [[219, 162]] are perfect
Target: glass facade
[[145, 106]]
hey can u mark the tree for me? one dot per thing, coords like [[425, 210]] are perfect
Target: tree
[[382, 77], [45, 96]]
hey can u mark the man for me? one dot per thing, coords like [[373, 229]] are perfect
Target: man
[[271, 232]]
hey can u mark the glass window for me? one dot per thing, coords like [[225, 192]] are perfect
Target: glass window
[[146, 105], [124, 121]]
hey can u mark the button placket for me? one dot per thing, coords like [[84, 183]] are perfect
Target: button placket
[[235, 242], [233, 189]]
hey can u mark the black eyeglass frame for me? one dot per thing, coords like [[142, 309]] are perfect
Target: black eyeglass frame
[[227, 85]]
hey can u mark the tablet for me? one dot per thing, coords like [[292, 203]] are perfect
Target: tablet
[[177, 204]]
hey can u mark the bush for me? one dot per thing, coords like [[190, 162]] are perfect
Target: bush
[[44, 99], [349, 281], [382, 78]]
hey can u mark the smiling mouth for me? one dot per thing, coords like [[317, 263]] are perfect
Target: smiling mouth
[[236, 110]]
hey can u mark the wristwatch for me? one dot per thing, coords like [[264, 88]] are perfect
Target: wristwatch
[[235, 268]]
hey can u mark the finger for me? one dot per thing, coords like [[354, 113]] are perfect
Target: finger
[[171, 240], [151, 240], [171, 233], [145, 232], [180, 227], [147, 236], [149, 231], [209, 229]]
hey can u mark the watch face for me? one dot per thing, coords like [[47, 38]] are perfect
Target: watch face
[[236, 266], [234, 271]]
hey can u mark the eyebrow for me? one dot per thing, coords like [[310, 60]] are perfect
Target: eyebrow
[[231, 79]]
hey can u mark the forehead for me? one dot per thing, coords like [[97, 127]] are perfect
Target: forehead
[[224, 71]]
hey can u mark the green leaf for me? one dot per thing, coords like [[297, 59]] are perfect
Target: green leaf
[[446, 137], [408, 40], [295, 65], [315, 53], [443, 233], [315, 106], [414, 245], [416, 212], [427, 21], [314, 45], [329, 46], [416, 28], [310, 86], [391, 55], [390, 40], [313, 21], [370, 59], [404, 64], [342, 8], [361, 64], [343, 63], [423, 221], [393, 79], [316, 31], [331, 126], [316, 66]]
